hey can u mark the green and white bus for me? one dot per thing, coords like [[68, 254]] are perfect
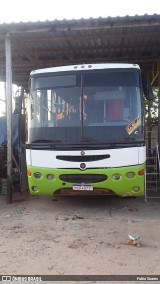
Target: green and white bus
[[86, 130]]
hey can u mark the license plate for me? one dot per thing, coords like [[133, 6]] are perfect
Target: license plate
[[82, 187]]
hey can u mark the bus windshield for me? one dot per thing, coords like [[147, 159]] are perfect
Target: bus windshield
[[98, 106]]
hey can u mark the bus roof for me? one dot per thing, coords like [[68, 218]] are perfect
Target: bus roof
[[84, 67]]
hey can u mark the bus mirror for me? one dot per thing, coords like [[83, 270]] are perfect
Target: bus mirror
[[147, 89]]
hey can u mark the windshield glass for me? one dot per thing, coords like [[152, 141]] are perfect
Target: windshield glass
[[93, 107]]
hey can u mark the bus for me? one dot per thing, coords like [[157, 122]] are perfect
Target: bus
[[86, 130]]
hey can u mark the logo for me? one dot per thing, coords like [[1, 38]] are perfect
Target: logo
[[82, 166], [6, 278], [82, 153]]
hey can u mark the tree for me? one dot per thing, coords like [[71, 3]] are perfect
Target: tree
[[151, 110]]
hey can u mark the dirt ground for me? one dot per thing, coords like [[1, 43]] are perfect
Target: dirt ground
[[79, 236]]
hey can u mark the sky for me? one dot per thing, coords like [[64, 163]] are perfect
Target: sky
[[41, 10]]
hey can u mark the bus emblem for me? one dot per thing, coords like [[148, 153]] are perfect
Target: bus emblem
[[82, 153]]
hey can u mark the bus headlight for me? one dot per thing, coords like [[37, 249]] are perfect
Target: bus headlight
[[130, 175], [136, 188], [34, 188], [116, 176], [50, 176], [37, 175]]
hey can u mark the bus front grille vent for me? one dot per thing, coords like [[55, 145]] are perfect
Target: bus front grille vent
[[89, 158], [87, 178]]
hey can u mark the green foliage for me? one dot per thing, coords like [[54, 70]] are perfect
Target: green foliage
[[152, 107]]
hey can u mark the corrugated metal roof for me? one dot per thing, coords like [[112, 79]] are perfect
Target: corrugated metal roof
[[132, 39]]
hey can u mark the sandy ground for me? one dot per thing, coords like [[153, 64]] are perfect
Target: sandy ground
[[79, 236]]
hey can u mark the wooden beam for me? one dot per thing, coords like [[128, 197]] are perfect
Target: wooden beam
[[73, 38]]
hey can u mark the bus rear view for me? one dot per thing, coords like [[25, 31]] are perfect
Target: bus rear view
[[86, 131]]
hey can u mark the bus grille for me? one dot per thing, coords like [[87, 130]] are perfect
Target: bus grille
[[81, 178], [89, 158]]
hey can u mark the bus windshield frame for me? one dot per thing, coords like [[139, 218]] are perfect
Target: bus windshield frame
[[86, 107]]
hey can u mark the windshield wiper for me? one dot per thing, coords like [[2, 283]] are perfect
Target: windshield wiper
[[46, 141], [89, 140]]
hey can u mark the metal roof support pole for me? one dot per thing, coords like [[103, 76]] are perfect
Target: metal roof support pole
[[9, 115]]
